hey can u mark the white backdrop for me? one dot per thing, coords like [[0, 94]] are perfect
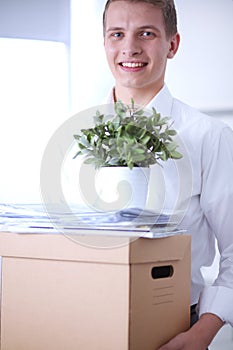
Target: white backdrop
[[34, 102]]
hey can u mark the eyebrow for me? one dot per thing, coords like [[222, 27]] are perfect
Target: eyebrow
[[111, 29], [149, 26]]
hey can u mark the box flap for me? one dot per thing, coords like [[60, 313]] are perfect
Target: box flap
[[159, 249], [107, 249]]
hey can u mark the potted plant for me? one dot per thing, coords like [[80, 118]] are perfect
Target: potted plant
[[129, 141]]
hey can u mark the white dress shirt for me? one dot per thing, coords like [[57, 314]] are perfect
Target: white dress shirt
[[200, 188]]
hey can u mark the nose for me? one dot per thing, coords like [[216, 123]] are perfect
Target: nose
[[132, 52], [131, 47]]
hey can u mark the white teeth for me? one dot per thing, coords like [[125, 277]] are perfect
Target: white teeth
[[132, 64]]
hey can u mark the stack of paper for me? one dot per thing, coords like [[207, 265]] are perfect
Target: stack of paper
[[32, 218]]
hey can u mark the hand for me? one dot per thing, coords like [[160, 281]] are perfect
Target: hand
[[198, 337]]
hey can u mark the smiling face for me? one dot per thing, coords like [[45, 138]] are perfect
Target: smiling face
[[137, 49]]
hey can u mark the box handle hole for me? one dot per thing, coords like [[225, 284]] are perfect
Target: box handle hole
[[158, 272]]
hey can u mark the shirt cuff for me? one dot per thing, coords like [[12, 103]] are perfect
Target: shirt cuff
[[217, 300]]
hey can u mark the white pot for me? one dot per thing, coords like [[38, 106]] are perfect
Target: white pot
[[119, 187]]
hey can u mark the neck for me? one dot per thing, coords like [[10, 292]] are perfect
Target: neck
[[140, 96]]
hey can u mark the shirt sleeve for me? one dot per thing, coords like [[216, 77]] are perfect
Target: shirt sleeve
[[217, 300], [217, 203]]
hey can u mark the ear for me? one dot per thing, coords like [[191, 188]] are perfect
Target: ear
[[174, 45]]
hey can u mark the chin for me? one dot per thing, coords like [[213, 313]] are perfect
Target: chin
[[132, 84]]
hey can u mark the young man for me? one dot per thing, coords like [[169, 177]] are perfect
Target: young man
[[139, 37]]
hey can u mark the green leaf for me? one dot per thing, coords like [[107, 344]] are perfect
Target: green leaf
[[176, 155], [145, 139]]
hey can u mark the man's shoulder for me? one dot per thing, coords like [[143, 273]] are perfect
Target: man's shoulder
[[189, 116]]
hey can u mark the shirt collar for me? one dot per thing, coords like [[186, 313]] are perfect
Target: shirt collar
[[162, 102]]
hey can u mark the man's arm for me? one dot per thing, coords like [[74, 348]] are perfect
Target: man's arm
[[198, 337]]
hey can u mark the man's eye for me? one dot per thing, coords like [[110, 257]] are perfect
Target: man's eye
[[147, 34], [117, 35]]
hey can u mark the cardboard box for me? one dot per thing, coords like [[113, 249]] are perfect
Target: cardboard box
[[58, 294]]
